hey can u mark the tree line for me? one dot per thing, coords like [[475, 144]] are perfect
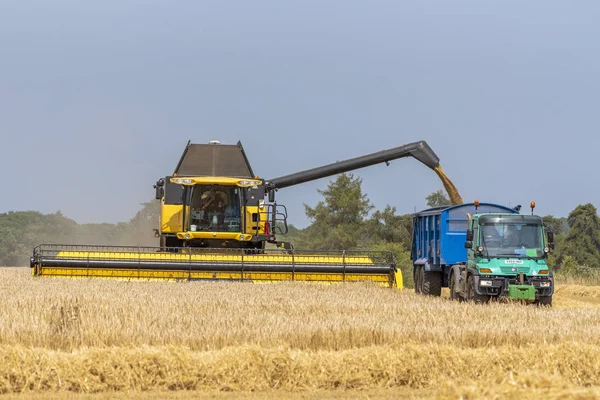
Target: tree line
[[21, 231]]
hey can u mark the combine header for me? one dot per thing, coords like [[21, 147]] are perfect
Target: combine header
[[215, 223], [229, 264]]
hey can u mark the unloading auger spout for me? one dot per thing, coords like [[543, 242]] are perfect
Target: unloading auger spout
[[419, 150]]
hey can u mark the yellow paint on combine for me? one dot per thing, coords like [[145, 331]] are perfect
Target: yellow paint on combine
[[216, 257], [242, 259], [171, 217], [214, 235], [398, 280], [256, 277]]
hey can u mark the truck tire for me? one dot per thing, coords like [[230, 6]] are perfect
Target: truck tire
[[472, 294], [544, 301], [432, 283], [453, 294], [418, 278]]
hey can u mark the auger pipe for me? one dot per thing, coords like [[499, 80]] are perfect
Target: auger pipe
[[419, 150], [212, 267]]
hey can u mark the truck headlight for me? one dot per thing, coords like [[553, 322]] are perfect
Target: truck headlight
[[545, 284], [485, 283]]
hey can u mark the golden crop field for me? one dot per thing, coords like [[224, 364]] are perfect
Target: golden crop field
[[242, 340]]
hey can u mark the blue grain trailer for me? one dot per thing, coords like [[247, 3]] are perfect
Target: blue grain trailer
[[481, 251]]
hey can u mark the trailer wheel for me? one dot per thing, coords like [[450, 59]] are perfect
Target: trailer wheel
[[544, 301], [472, 294], [432, 283]]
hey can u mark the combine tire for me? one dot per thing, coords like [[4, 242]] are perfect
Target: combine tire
[[428, 282], [544, 301], [472, 294]]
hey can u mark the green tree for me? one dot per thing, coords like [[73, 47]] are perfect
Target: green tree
[[338, 220], [560, 227], [582, 242], [387, 227], [557, 225], [21, 231], [437, 199], [402, 258], [292, 234]]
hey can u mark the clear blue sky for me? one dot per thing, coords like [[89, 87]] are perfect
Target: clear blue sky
[[98, 100]]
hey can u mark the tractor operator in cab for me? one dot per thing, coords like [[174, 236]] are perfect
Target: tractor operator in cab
[[207, 201], [220, 212]]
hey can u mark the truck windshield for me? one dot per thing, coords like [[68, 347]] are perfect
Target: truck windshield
[[506, 239]]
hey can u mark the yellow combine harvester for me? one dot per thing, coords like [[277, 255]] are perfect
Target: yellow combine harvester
[[216, 218]]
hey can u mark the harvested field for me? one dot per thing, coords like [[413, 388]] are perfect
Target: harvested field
[[240, 339]]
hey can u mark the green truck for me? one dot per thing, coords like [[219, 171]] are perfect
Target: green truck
[[482, 252]]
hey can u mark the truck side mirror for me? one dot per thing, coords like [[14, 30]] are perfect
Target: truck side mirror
[[271, 196], [468, 244], [551, 240], [470, 235]]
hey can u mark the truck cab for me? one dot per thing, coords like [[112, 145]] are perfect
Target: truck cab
[[506, 258]]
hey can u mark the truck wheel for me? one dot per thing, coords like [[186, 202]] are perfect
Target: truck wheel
[[418, 278], [453, 283], [544, 301], [432, 283], [472, 294]]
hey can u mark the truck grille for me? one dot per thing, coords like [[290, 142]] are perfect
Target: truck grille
[[514, 269]]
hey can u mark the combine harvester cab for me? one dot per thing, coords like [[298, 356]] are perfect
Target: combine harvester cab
[[482, 252], [216, 220]]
